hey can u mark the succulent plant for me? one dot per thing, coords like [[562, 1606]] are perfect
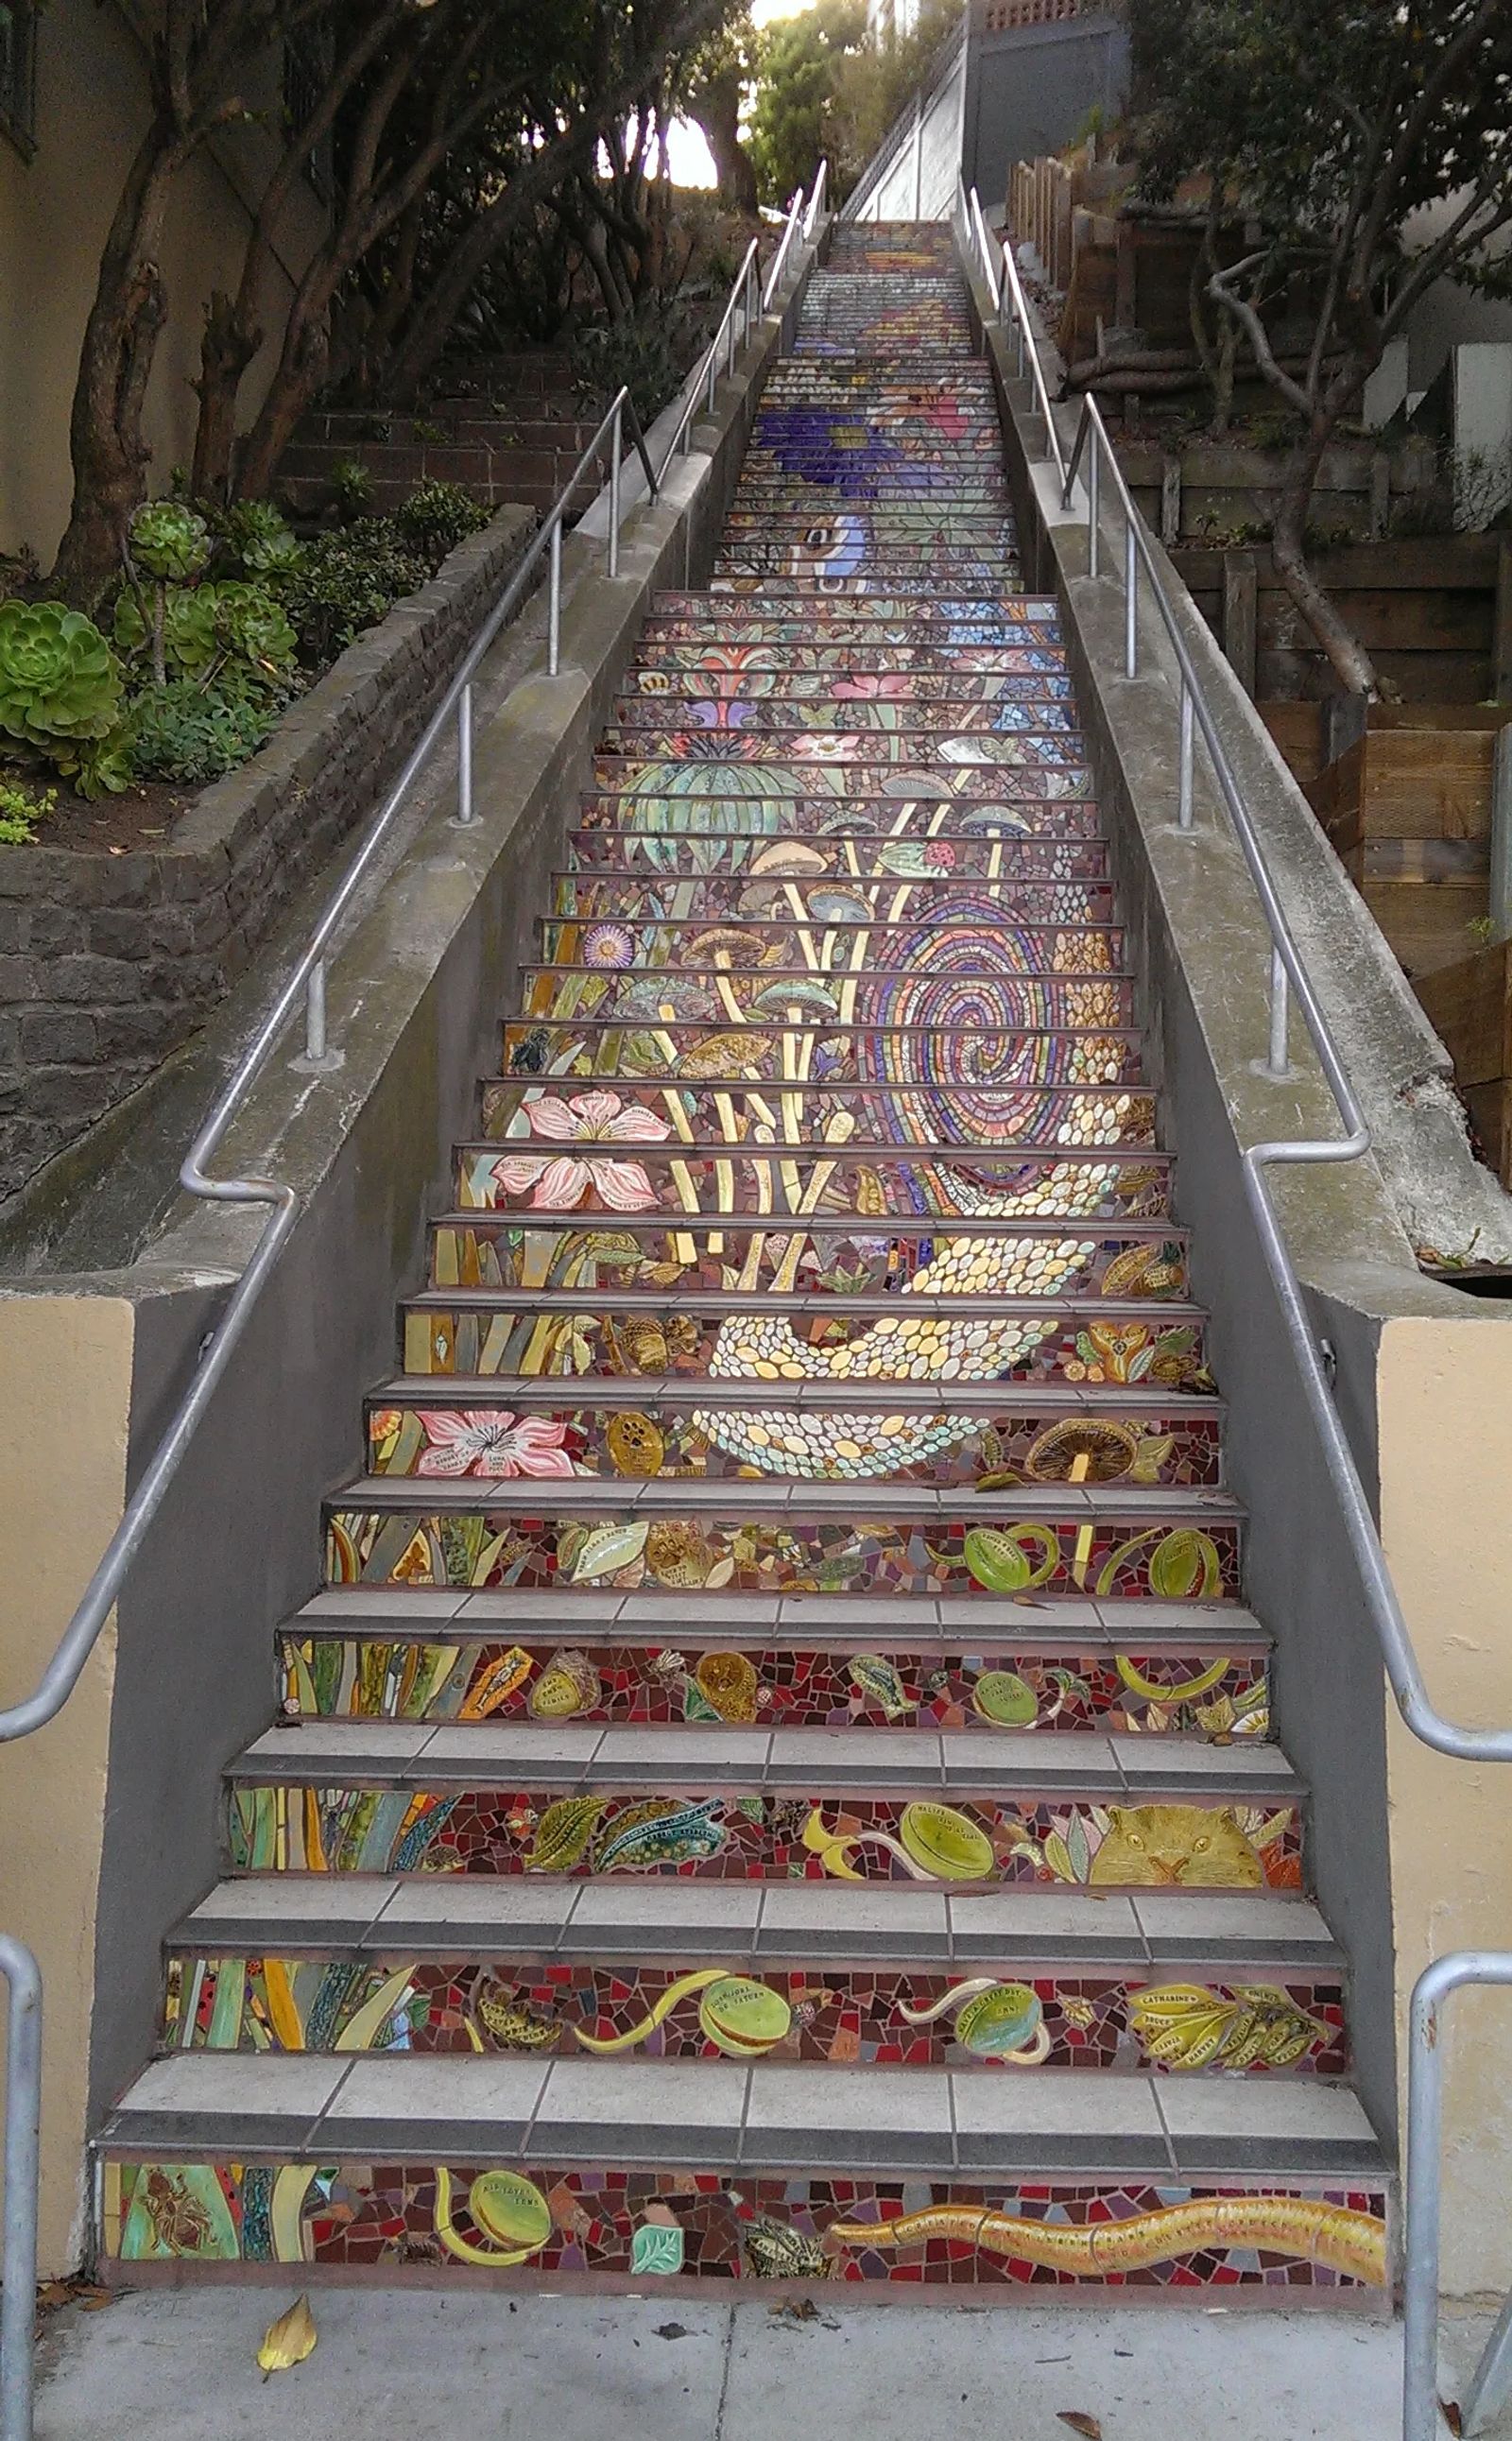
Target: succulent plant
[[170, 540], [206, 623], [59, 681], [249, 621], [189, 734], [101, 766], [258, 536]]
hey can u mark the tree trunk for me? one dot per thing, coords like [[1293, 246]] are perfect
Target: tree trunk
[[717, 113], [300, 372], [120, 338], [227, 349], [1346, 654]]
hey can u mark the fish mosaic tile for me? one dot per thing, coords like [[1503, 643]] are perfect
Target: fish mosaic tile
[[743, 1835], [845, 2016], [1037, 2237], [1059, 1688]]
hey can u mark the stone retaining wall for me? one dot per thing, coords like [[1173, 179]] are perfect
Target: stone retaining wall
[[108, 962]]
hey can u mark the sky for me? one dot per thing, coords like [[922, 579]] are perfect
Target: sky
[[687, 150]]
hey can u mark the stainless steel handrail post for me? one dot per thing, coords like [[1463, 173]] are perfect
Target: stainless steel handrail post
[[553, 614], [18, 2305], [1421, 2419], [1094, 508], [315, 1014], [464, 757], [616, 441], [1184, 760], [1131, 598], [1276, 1050]]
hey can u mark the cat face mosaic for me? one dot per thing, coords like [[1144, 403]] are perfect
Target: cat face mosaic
[[1060, 1688], [742, 1836], [846, 2017], [1048, 2236]]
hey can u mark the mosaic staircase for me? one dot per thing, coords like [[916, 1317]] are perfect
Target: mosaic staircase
[[776, 1785]]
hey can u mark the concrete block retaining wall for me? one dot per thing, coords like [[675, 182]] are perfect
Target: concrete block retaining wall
[[108, 962]]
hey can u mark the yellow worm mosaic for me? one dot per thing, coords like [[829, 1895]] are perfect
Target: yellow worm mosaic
[[1353, 2243]]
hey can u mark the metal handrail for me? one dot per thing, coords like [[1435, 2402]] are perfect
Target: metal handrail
[[1010, 287], [816, 201], [779, 261], [307, 976], [942, 67], [1492, 2378], [747, 297], [1289, 978]]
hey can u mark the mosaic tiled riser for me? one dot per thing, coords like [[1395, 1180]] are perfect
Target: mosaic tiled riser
[[642, 2223], [650, 1443], [846, 2015], [741, 1836], [1129, 1557], [331, 1678]]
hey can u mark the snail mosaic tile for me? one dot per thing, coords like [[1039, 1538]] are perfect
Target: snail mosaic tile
[[847, 2016], [1126, 1558], [744, 1836], [1035, 2236], [1217, 1694]]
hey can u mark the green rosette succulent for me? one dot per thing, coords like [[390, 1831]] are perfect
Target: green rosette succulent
[[59, 681], [189, 640], [250, 623], [206, 623], [169, 541]]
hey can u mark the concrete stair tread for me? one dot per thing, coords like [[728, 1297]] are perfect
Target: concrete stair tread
[[691, 1757], [819, 1304], [1109, 1619], [679, 1495], [675, 1391], [388, 1915], [737, 2114]]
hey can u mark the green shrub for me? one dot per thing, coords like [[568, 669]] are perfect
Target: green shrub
[[189, 734], [436, 516], [21, 811], [352, 484], [349, 581], [60, 685], [639, 356], [170, 540]]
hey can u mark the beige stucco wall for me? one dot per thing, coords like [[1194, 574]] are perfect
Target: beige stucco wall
[[65, 1363], [55, 209], [1445, 1408]]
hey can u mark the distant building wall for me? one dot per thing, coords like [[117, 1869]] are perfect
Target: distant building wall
[[60, 181], [1036, 68]]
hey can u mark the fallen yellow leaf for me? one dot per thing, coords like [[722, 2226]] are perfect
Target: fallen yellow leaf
[[288, 2341]]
